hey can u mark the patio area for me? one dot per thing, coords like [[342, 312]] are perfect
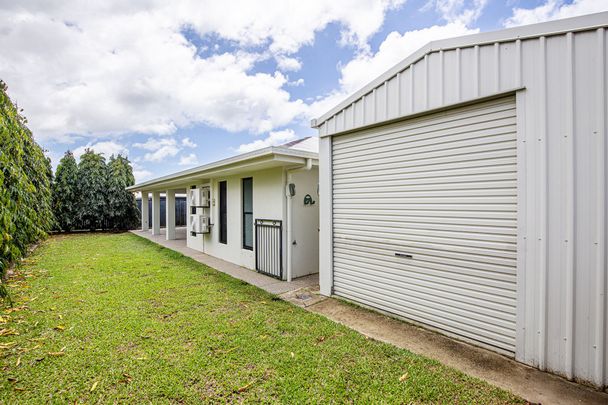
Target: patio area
[[310, 283]]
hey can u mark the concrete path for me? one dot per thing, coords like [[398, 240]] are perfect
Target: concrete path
[[531, 384], [272, 285]]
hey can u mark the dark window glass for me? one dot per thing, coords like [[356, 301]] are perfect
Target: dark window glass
[[248, 213], [223, 214]]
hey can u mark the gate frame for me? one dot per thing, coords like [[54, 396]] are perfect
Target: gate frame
[[274, 224]]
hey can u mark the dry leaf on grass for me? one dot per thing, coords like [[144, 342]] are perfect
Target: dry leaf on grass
[[246, 387], [403, 377], [94, 386], [127, 378], [56, 354], [59, 327], [8, 332], [18, 362]]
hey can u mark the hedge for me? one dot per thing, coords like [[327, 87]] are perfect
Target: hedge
[[25, 195]]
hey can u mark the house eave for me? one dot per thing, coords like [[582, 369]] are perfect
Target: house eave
[[248, 162]]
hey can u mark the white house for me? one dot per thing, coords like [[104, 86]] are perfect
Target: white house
[[465, 190], [259, 210]]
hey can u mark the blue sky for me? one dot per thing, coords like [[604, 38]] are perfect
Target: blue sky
[[199, 81]]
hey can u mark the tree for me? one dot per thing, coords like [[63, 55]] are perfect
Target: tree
[[92, 190], [122, 208], [65, 192], [25, 194]]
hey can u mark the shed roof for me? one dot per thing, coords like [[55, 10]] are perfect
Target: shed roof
[[546, 29]]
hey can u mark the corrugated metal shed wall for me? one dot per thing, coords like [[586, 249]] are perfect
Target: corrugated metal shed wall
[[562, 111]]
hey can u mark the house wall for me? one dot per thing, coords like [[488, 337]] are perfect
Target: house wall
[[305, 224], [560, 85], [268, 201]]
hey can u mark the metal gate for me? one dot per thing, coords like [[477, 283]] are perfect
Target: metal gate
[[269, 247]]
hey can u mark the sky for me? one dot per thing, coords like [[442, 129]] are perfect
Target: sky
[[173, 85]]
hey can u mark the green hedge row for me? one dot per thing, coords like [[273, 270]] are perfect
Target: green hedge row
[[25, 195]]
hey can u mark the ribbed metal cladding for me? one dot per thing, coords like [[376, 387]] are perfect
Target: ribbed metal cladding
[[442, 189]]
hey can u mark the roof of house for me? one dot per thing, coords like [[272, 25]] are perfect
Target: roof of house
[[294, 152], [551, 28]]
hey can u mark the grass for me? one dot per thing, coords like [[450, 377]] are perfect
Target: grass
[[115, 318]]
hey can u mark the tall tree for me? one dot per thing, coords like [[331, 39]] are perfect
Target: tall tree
[[122, 208], [92, 189], [65, 192]]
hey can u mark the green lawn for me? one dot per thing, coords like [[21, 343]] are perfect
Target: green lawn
[[113, 317]]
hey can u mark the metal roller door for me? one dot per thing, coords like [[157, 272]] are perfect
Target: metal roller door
[[424, 220]]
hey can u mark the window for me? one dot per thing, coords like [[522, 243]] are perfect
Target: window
[[223, 214], [248, 213]]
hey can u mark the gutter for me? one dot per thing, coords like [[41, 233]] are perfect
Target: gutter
[[290, 242]]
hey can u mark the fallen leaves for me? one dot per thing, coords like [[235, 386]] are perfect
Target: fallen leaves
[[59, 353], [94, 386], [246, 386], [8, 332], [18, 362], [15, 309], [8, 345], [127, 378], [404, 377], [60, 328]]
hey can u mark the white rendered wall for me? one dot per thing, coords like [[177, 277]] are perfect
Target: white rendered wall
[[268, 200], [305, 224]]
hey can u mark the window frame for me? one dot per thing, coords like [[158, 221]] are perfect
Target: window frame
[[245, 213], [223, 216]]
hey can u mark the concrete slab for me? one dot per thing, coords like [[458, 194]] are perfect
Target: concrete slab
[[272, 285], [529, 383]]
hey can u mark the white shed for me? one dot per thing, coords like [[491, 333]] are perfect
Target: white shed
[[467, 193]]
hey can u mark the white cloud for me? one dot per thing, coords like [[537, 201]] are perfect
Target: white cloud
[[160, 149], [110, 68], [553, 10], [274, 138], [140, 173], [188, 160], [155, 143], [462, 11], [161, 154], [286, 63], [188, 143], [396, 47], [296, 83], [107, 148]]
